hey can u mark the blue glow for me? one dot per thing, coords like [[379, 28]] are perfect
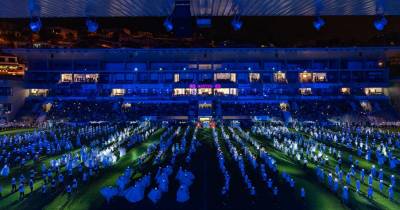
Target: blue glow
[[204, 22], [380, 23], [318, 23], [169, 26], [92, 25], [236, 24], [35, 25]]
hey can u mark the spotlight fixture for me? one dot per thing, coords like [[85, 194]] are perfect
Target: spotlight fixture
[[169, 26], [36, 24], [318, 23], [34, 10], [380, 22], [237, 23], [92, 25]]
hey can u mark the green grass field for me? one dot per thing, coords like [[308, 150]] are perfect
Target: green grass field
[[205, 193]]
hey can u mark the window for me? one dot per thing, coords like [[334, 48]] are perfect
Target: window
[[345, 91], [319, 77], [305, 91], [205, 106], [254, 77], [280, 77], [225, 91], [78, 78], [176, 77], [305, 77], [204, 91], [225, 77], [205, 66], [284, 106], [12, 60], [185, 91], [118, 92], [126, 106], [5, 91], [38, 92], [90, 78], [205, 77], [66, 77], [373, 91]]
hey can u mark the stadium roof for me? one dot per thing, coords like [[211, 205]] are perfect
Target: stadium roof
[[140, 8]]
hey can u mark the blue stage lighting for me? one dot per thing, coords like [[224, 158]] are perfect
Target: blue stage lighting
[[92, 25], [169, 26], [380, 23], [236, 24], [318, 23], [35, 25]]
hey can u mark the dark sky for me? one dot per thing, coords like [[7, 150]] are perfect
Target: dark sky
[[281, 31]]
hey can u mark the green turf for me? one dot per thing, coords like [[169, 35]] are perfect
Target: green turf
[[16, 131], [319, 196], [89, 197]]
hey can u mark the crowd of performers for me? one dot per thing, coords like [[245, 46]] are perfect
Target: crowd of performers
[[345, 159], [74, 155], [158, 183]]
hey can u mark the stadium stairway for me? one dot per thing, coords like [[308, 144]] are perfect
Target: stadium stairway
[[287, 116]]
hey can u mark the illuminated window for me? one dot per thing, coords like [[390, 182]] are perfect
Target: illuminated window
[[254, 77], [38, 92], [80, 78], [225, 91], [205, 106], [305, 77], [86, 78], [284, 106], [47, 107], [176, 77], [319, 77], [205, 66], [345, 91], [280, 77], [373, 91], [225, 77], [185, 91], [66, 78], [126, 106], [118, 92], [204, 91], [305, 91]]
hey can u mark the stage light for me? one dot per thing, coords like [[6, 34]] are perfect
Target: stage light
[[236, 23], [169, 26], [318, 23], [36, 24], [380, 23], [92, 25]]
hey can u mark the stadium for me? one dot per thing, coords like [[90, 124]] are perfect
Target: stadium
[[199, 104]]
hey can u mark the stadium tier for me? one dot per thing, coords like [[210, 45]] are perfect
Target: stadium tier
[[221, 83]]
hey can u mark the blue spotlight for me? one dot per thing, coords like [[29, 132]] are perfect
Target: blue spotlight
[[35, 25], [318, 23], [169, 26], [380, 23], [92, 25], [236, 23]]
